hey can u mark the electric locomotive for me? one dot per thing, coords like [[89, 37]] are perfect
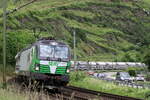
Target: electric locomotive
[[45, 60]]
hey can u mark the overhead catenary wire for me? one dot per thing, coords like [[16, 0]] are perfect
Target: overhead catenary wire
[[20, 7], [26, 4], [143, 9]]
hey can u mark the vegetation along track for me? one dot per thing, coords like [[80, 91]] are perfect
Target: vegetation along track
[[77, 93], [74, 93]]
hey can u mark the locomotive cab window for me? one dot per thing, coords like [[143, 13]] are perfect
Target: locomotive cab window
[[46, 51], [61, 52], [57, 52]]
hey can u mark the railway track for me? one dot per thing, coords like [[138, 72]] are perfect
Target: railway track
[[76, 93]]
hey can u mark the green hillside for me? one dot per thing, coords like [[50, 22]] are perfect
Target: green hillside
[[107, 30]]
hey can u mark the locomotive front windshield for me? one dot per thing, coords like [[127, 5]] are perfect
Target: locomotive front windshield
[[51, 51]]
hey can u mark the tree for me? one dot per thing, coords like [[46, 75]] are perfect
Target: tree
[[146, 60], [1, 3]]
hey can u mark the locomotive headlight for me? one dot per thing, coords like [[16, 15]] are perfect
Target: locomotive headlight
[[37, 68], [68, 70], [54, 43]]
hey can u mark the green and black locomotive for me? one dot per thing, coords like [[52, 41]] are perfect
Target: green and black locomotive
[[45, 60]]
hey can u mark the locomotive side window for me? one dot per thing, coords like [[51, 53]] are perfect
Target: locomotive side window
[[28, 57]]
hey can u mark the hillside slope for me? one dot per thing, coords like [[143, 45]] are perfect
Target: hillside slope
[[106, 30]]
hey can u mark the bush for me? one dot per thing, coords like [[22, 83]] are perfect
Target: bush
[[146, 60], [16, 41], [9, 70], [131, 56], [147, 95], [77, 76], [147, 77], [133, 70]]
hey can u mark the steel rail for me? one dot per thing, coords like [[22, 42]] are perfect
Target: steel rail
[[103, 95]]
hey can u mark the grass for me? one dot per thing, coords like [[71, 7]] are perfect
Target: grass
[[9, 70], [145, 4], [146, 83], [85, 14], [100, 85], [8, 95], [14, 93]]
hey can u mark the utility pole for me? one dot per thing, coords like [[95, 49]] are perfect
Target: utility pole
[[74, 48], [4, 43]]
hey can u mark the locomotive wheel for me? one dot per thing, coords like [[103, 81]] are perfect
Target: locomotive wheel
[[64, 83]]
